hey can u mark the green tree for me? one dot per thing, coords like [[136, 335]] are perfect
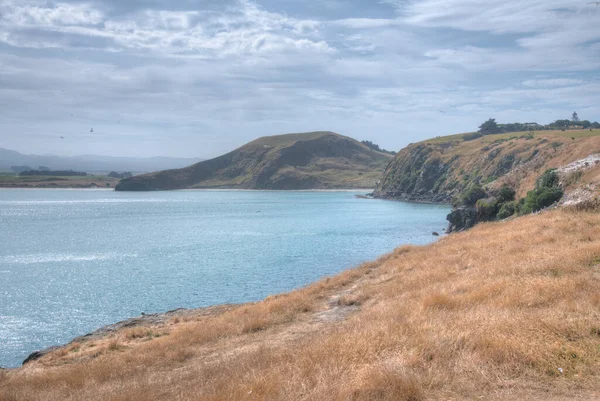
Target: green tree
[[489, 127], [561, 123], [547, 191]]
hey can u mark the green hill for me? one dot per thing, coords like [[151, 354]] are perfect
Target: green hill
[[316, 160]]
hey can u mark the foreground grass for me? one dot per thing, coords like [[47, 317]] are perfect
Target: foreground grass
[[505, 311]]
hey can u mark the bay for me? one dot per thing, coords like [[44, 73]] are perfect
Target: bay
[[72, 261]]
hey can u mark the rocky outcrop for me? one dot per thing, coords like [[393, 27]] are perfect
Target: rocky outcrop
[[461, 219], [34, 356], [145, 320]]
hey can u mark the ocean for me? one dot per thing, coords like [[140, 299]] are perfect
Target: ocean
[[72, 261]]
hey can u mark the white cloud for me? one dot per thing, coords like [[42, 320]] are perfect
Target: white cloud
[[549, 83], [364, 23], [245, 29], [33, 15]]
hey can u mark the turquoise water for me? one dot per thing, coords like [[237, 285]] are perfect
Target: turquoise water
[[72, 261]]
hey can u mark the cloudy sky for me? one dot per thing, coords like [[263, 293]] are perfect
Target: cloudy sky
[[197, 78]]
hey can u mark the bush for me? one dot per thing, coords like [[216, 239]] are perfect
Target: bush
[[470, 196], [471, 137], [548, 180], [506, 194], [548, 196], [486, 209], [507, 210], [547, 191]]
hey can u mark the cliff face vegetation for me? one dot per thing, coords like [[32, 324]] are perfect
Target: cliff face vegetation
[[506, 311], [318, 160], [440, 169]]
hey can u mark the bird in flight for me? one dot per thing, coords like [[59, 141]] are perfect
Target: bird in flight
[[91, 130], [62, 137], [441, 111]]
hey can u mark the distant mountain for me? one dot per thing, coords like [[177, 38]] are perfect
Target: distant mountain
[[91, 163], [316, 160]]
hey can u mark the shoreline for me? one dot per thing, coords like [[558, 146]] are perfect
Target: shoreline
[[199, 189], [144, 320], [159, 318]]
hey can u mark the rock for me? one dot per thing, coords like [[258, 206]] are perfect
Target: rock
[[435, 234], [34, 356], [461, 219]]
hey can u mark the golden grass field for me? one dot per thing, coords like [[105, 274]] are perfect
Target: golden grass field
[[505, 311]]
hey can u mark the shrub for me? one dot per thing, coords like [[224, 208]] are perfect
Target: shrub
[[507, 210], [548, 179], [470, 196], [506, 194], [486, 209], [528, 136], [546, 192], [491, 178], [548, 196], [471, 137]]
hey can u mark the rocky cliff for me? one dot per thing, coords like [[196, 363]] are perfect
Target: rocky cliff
[[496, 176], [438, 170]]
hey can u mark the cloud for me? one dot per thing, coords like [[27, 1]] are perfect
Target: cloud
[[244, 29], [550, 83], [364, 23], [61, 14], [199, 77]]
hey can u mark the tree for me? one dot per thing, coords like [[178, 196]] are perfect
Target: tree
[[561, 123], [585, 124], [372, 145], [489, 127], [575, 117]]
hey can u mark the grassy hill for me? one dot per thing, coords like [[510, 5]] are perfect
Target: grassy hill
[[439, 169], [322, 160], [505, 311]]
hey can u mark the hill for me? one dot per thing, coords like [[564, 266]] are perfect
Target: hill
[[317, 160], [90, 163], [505, 311], [439, 169]]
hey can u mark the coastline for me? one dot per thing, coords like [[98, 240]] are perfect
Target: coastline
[[159, 319], [347, 195], [202, 189], [144, 320], [373, 323]]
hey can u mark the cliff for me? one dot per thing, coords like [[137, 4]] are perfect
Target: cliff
[[439, 169]]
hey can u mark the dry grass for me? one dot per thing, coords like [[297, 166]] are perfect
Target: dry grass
[[492, 313]]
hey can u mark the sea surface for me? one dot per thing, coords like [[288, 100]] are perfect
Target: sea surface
[[72, 261]]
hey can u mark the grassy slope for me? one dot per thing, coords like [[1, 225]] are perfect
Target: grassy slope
[[293, 161], [492, 313], [495, 159], [14, 181]]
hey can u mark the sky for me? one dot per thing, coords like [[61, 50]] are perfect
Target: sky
[[198, 78]]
